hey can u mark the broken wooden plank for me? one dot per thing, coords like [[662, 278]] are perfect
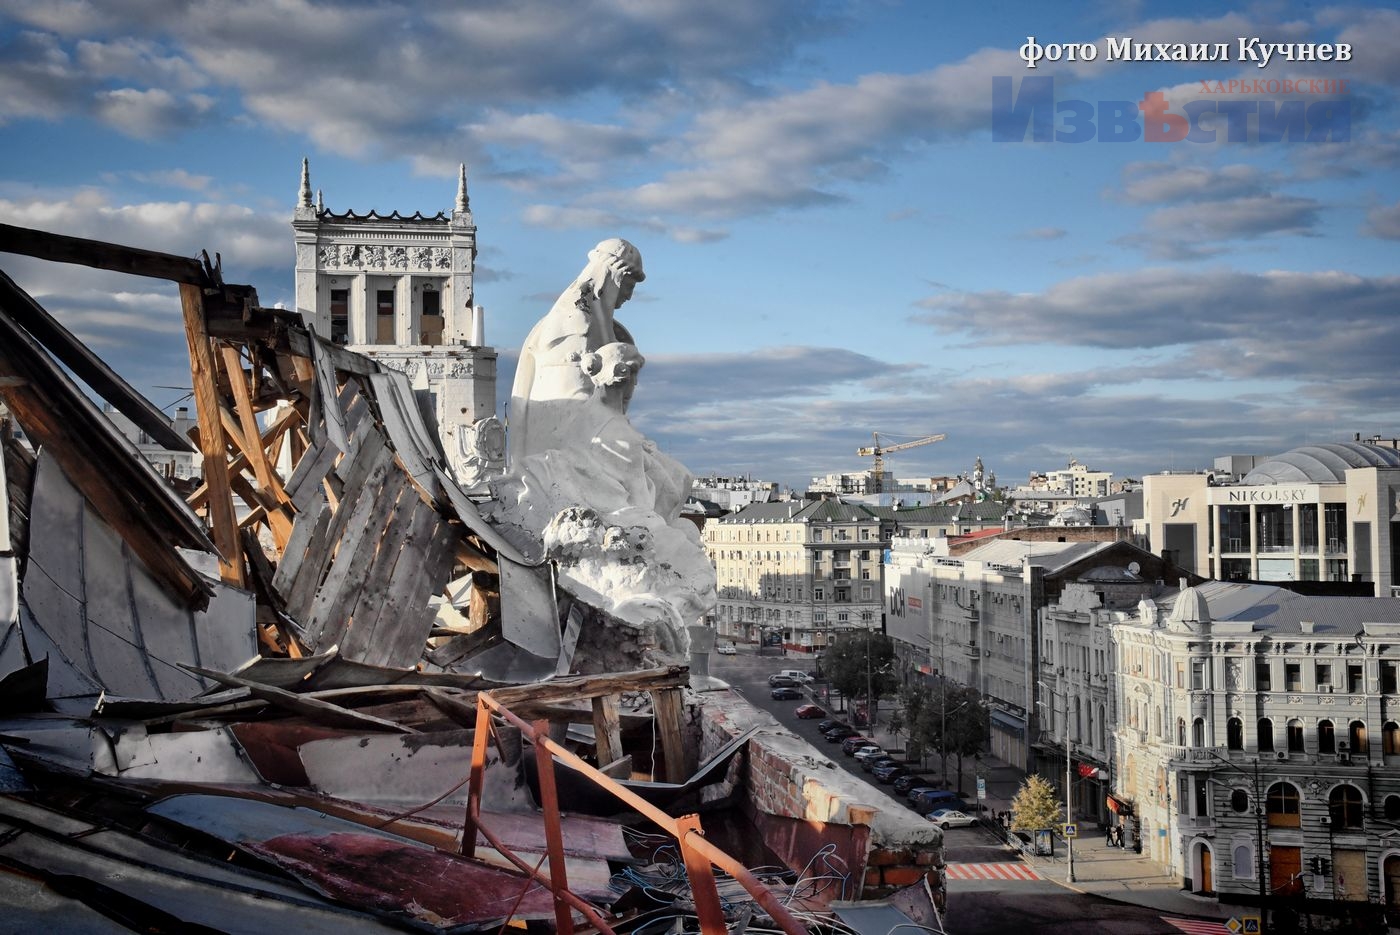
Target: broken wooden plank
[[309, 525], [366, 611], [607, 729], [211, 440], [329, 619], [577, 687], [99, 255], [315, 709], [667, 704], [87, 366]]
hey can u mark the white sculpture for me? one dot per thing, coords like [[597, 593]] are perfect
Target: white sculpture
[[584, 488]]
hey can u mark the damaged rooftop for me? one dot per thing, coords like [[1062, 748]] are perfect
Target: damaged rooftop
[[322, 686]]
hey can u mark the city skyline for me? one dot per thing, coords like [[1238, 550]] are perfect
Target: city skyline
[[835, 244]]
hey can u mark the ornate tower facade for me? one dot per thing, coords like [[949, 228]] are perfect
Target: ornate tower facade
[[399, 289]]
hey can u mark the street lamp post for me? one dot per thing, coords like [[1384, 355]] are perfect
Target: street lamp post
[[1069, 806], [1258, 835]]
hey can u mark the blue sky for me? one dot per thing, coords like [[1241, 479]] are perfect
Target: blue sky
[[834, 243]]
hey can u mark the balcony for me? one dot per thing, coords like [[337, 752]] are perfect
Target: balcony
[[1198, 756]]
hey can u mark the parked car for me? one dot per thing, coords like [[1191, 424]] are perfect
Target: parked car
[[797, 675], [827, 723], [869, 763], [786, 693], [782, 681], [951, 818], [937, 799], [839, 733], [868, 751], [904, 783], [889, 772], [851, 744], [725, 649], [808, 711]]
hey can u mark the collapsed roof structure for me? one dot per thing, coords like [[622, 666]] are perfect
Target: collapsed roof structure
[[314, 709]]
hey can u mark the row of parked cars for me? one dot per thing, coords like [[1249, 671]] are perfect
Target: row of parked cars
[[939, 805]]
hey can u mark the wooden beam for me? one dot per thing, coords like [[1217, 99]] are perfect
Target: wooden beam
[[87, 366], [211, 437], [666, 703], [576, 687], [607, 729], [251, 438], [100, 255]]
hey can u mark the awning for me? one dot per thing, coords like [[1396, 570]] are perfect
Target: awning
[[1119, 806]]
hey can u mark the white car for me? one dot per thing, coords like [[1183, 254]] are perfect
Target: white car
[[868, 751], [951, 818], [725, 649]]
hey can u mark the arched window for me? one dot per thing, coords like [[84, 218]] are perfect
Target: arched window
[[1326, 739], [1180, 732], [1198, 732], [1392, 807], [1243, 859], [1239, 800], [1234, 734], [1282, 806], [1344, 805], [1266, 735], [1356, 733], [1295, 736], [1390, 738]]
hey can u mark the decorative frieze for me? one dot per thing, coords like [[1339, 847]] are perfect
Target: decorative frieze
[[353, 258]]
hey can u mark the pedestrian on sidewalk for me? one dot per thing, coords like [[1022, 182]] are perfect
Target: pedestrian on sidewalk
[[1108, 835]]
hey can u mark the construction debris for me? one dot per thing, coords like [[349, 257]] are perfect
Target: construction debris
[[303, 695]]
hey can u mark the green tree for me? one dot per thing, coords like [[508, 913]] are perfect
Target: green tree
[[1036, 806], [969, 723], [857, 657]]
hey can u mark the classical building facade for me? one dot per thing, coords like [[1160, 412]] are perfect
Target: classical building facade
[[974, 617], [399, 288], [1257, 746], [806, 570], [1318, 513]]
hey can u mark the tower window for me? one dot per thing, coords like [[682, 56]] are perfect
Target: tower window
[[432, 323], [384, 316], [340, 316]]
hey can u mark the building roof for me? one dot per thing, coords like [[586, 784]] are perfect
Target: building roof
[[1268, 608], [1052, 556], [1321, 464], [988, 510]]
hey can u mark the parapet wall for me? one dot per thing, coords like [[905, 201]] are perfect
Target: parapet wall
[[800, 799]]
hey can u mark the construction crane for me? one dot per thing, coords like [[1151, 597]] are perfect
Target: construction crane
[[879, 451]]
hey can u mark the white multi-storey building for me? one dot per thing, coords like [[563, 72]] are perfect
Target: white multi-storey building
[[1257, 740], [1077, 480]]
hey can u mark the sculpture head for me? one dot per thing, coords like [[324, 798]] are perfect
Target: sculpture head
[[617, 262]]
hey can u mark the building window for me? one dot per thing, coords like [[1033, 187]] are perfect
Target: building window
[[1180, 732], [432, 322], [1198, 732], [842, 617], [1292, 677], [1239, 800], [1262, 679], [340, 316], [1295, 736], [1355, 685], [1392, 807], [1234, 734], [1344, 807], [1356, 733], [818, 594], [1243, 859], [1324, 677], [384, 316], [1390, 738], [1326, 737], [1266, 735], [1282, 806], [1198, 675], [1388, 678]]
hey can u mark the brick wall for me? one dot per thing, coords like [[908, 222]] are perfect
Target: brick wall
[[800, 798]]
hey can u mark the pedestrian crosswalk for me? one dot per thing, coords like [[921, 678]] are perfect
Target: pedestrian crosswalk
[[998, 871], [1197, 926]]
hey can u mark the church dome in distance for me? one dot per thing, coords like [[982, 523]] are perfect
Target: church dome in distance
[[1320, 464]]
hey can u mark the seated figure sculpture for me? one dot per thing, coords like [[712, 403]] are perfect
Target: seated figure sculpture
[[585, 489]]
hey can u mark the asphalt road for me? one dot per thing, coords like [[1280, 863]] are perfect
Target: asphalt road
[[976, 906]]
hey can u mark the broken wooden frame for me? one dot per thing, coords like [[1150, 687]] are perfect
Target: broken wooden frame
[[698, 854]]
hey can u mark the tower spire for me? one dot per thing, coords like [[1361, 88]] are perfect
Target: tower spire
[[462, 204], [304, 196]]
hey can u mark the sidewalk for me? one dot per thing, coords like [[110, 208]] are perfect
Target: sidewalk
[[1099, 868]]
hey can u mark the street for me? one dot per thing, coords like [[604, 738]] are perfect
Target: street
[[990, 890]]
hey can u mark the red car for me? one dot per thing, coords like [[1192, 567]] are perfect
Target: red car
[[809, 711]]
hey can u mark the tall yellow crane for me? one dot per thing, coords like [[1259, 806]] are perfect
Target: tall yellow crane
[[879, 451]]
